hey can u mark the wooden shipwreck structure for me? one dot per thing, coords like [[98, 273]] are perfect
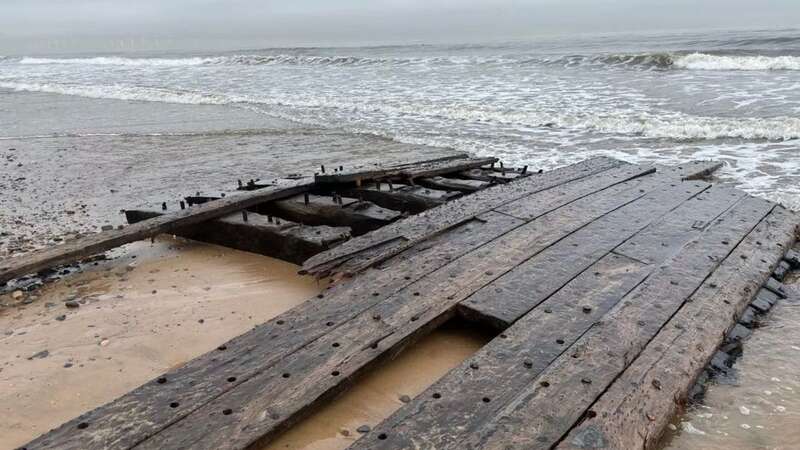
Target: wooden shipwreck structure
[[610, 286]]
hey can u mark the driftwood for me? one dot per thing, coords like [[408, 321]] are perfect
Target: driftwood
[[90, 245], [288, 241]]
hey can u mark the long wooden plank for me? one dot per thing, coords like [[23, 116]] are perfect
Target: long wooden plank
[[141, 413], [636, 409], [570, 299], [90, 245], [431, 222], [453, 184], [505, 366], [288, 241], [405, 171], [413, 199], [578, 377], [304, 378], [361, 217], [523, 288]]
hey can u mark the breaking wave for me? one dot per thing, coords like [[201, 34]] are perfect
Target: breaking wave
[[673, 126], [665, 60]]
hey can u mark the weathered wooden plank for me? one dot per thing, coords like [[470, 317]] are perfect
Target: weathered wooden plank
[[288, 241], [405, 171], [520, 290], [141, 413], [491, 176], [361, 217], [454, 184], [412, 199], [89, 245], [656, 244], [504, 366], [636, 409], [572, 293], [280, 395], [431, 222], [578, 377]]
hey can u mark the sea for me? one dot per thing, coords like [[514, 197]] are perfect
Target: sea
[[85, 135]]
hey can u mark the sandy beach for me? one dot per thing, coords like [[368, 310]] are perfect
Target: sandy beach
[[141, 314]]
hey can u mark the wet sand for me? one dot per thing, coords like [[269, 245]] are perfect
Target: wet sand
[[151, 309], [759, 408], [377, 394]]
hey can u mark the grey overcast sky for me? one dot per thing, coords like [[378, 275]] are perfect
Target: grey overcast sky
[[28, 23]]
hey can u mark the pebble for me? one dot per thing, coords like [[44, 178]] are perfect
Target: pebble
[[363, 429], [16, 295], [61, 318], [405, 398], [40, 355], [745, 426], [689, 428], [744, 410], [72, 304], [104, 343]]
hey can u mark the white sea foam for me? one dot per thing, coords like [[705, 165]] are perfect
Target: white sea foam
[[116, 92], [118, 61], [703, 61]]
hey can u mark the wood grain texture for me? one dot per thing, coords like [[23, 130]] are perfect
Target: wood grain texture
[[431, 222], [641, 402], [578, 377], [288, 241], [361, 217], [90, 245], [142, 413]]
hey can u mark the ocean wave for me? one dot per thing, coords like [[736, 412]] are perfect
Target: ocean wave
[[704, 61], [683, 61], [117, 92], [254, 60], [117, 61], [653, 125]]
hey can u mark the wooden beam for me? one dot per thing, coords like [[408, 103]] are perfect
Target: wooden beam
[[587, 368], [361, 217], [313, 373], [288, 241], [654, 226], [636, 409], [403, 170], [411, 199], [141, 414], [454, 184], [402, 233], [86, 246]]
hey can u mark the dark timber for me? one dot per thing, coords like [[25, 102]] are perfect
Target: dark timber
[[611, 285], [288, 241]]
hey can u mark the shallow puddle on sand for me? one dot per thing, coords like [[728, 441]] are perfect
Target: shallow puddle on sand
[[761, 410], [376, 395], [153, 308]]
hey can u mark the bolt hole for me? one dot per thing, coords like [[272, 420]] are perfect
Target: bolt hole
[[544, 384], [231, 379], [83, 426], [161, 380], [222, 347], [280, 322], [414, 319], [286, 375], [335, 373], [328, 324], [382, 436], [375, 294], [416, 294], [591, 414], [174, 405], [486, 399], [437, 395], [559, 341], [335, 344], [227, 411]]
